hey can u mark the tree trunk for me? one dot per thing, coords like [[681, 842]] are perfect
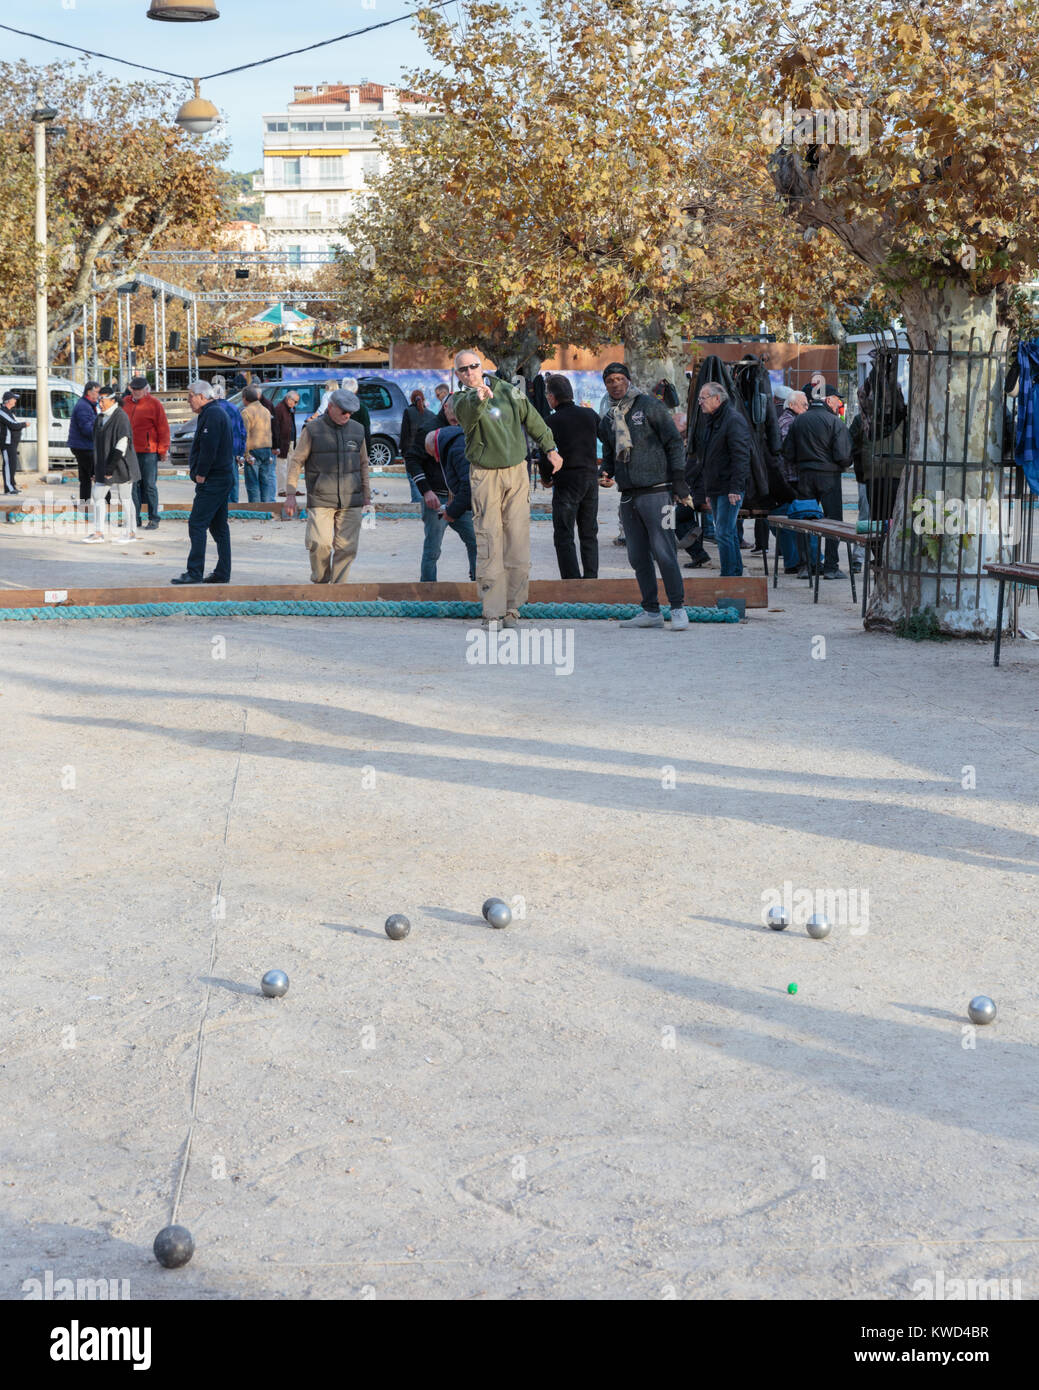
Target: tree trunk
[[651, 351], [521, 355], [954, 448]]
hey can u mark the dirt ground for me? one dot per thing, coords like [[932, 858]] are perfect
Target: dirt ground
[[616, 1096]]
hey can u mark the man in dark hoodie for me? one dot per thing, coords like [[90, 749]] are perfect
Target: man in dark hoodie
[[426, 468], [642, 450], [575, 486], [819, 446]]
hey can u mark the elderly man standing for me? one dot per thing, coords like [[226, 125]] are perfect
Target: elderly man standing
[[151, 442], [284, 436], [115, 467], [334, 458], [213, 470], [494, 418], [259, 468], [726, 471]]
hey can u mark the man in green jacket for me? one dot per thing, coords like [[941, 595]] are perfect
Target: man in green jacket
[[494, 418]]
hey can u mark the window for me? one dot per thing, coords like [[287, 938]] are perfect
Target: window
[[308, 400], [351, 125], [291, 207], [25, 405], [333, 125], [332, 207], [374, 397], [295, 256], [369, 166], [330, 168], [297, 125], [273, 126], [290, 172], [62, 404]]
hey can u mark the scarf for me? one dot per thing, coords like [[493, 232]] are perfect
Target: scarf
[[619, 416]]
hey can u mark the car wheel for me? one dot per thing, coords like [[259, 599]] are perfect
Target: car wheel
[[382, 452]]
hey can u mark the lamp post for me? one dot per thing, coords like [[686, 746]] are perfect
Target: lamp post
[[41, 118]]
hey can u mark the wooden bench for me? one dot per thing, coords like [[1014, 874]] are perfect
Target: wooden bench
[[824, 529], [1009, 574]]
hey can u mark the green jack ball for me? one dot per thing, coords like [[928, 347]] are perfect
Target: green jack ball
[[791, 988]]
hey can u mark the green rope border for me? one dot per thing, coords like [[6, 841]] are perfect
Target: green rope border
[[314, 608], [171, 514]]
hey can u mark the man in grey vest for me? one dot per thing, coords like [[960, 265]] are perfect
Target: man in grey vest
[[334, 459]]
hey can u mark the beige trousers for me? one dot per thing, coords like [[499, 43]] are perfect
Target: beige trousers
[[501, 518], [332, 534]]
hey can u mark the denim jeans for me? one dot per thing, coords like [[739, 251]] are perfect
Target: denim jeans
[[147, 490], [726, 529], [233, 496], [434, 539], [209, 515], [648, 539], [575, 501], [260, 482]]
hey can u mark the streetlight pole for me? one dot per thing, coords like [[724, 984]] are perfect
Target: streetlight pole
[[41, 117]]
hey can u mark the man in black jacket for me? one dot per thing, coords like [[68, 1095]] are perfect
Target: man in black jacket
[[213, 470], [575, 486], [819, 446], [642, 449], [10, 437], [726, 471], [428, 478]]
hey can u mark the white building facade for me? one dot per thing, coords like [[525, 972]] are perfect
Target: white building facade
[[318, 156]]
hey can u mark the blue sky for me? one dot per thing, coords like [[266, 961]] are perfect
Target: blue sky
[[246, 30]]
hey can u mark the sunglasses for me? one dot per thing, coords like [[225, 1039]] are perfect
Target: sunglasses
[[471, 367]]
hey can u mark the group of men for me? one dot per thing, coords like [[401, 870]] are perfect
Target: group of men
[[468, 466]]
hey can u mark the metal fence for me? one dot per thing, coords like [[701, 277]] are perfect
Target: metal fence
[[935, 444]]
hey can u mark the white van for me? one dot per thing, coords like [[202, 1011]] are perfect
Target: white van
[[63, 397]]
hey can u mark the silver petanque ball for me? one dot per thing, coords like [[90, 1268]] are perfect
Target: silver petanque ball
[[777, 918], [488, 904], [173, 1247], [274, 984], [981, 1009], [498, 914], [397, 926], [818, 926]]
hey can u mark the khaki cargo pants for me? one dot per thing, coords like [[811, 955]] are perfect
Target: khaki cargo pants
[[332, 534], [501, 518]]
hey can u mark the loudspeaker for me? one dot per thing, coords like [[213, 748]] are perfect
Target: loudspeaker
[[174, 342], [106, 329], [138, 335], [241, 275], [201, 347]]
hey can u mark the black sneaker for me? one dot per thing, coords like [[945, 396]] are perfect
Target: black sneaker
[[697, 562], [834, 574], [212, 579], [152, 526], [186, 578]]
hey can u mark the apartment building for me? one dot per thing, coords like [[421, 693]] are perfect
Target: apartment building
[[318, 156]]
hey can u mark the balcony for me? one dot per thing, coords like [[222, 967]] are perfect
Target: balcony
[[306, 184], [318, 139], [305, 222]]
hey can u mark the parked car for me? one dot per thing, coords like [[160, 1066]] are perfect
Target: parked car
[[384, 400], [63, 398]]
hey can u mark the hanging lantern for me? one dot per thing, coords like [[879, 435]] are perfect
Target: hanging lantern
[[183, 11], [198, 115]]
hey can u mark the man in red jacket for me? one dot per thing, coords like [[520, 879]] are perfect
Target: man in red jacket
[[151, 442]]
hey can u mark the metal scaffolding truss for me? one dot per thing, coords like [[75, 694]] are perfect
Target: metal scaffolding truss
[[243, 258], [263, 296]]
